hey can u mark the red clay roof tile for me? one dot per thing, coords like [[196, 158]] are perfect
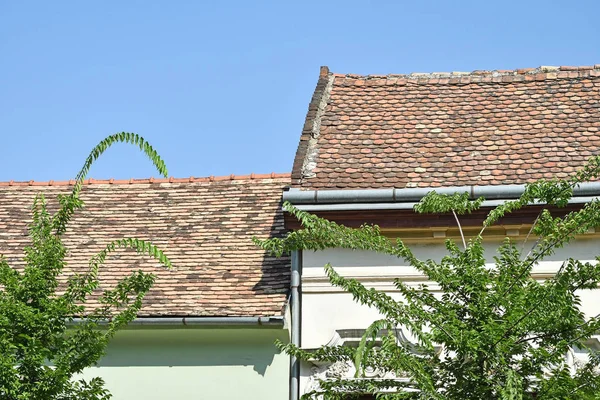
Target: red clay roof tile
[[420, 130], [205, 226]]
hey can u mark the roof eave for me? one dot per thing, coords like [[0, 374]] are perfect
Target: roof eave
[[406, 198]]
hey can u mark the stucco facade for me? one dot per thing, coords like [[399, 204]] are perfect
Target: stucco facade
[[195, 363], [331, 316]]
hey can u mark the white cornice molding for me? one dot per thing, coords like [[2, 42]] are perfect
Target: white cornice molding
[[382, 278]]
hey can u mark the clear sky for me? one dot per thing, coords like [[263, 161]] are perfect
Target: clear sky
[[222, 87]]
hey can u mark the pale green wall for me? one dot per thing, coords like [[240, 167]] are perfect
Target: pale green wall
[[188, 363]]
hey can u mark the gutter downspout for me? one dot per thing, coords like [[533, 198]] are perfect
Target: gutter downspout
[[295, 305]]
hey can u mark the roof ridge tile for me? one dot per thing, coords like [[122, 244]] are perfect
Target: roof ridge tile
[[506, 75], [151, 180]]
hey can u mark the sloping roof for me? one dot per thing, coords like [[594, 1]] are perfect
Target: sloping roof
[[448, 129], [204, 225]]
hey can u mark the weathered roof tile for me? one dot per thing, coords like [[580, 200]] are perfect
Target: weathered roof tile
[[204, 225], [505, 124]]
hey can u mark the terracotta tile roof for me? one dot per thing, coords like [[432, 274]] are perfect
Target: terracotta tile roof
[[447, 129], [205, 225]]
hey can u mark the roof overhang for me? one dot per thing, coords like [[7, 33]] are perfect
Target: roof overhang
[[393, 208]]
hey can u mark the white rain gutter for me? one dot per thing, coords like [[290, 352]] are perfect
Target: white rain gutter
[[404, 199]]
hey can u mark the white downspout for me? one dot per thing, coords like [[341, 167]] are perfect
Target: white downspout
[[295, 291]]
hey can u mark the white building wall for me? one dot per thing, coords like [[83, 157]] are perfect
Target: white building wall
[[326, 309]]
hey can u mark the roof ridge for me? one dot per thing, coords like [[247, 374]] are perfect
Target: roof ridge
[[499, 75], [171, 179]]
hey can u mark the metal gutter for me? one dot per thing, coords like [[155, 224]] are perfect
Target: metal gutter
[[404, 199], [408, 206], [491, 192], [276, 321]]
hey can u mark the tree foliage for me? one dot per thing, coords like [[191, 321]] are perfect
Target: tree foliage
[[42, 349], [490, 331]]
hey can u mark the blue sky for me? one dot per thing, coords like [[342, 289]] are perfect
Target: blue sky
[[222, 87]]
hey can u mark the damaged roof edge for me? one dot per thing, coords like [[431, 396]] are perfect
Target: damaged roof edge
[[306, 153], [370, 196]]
